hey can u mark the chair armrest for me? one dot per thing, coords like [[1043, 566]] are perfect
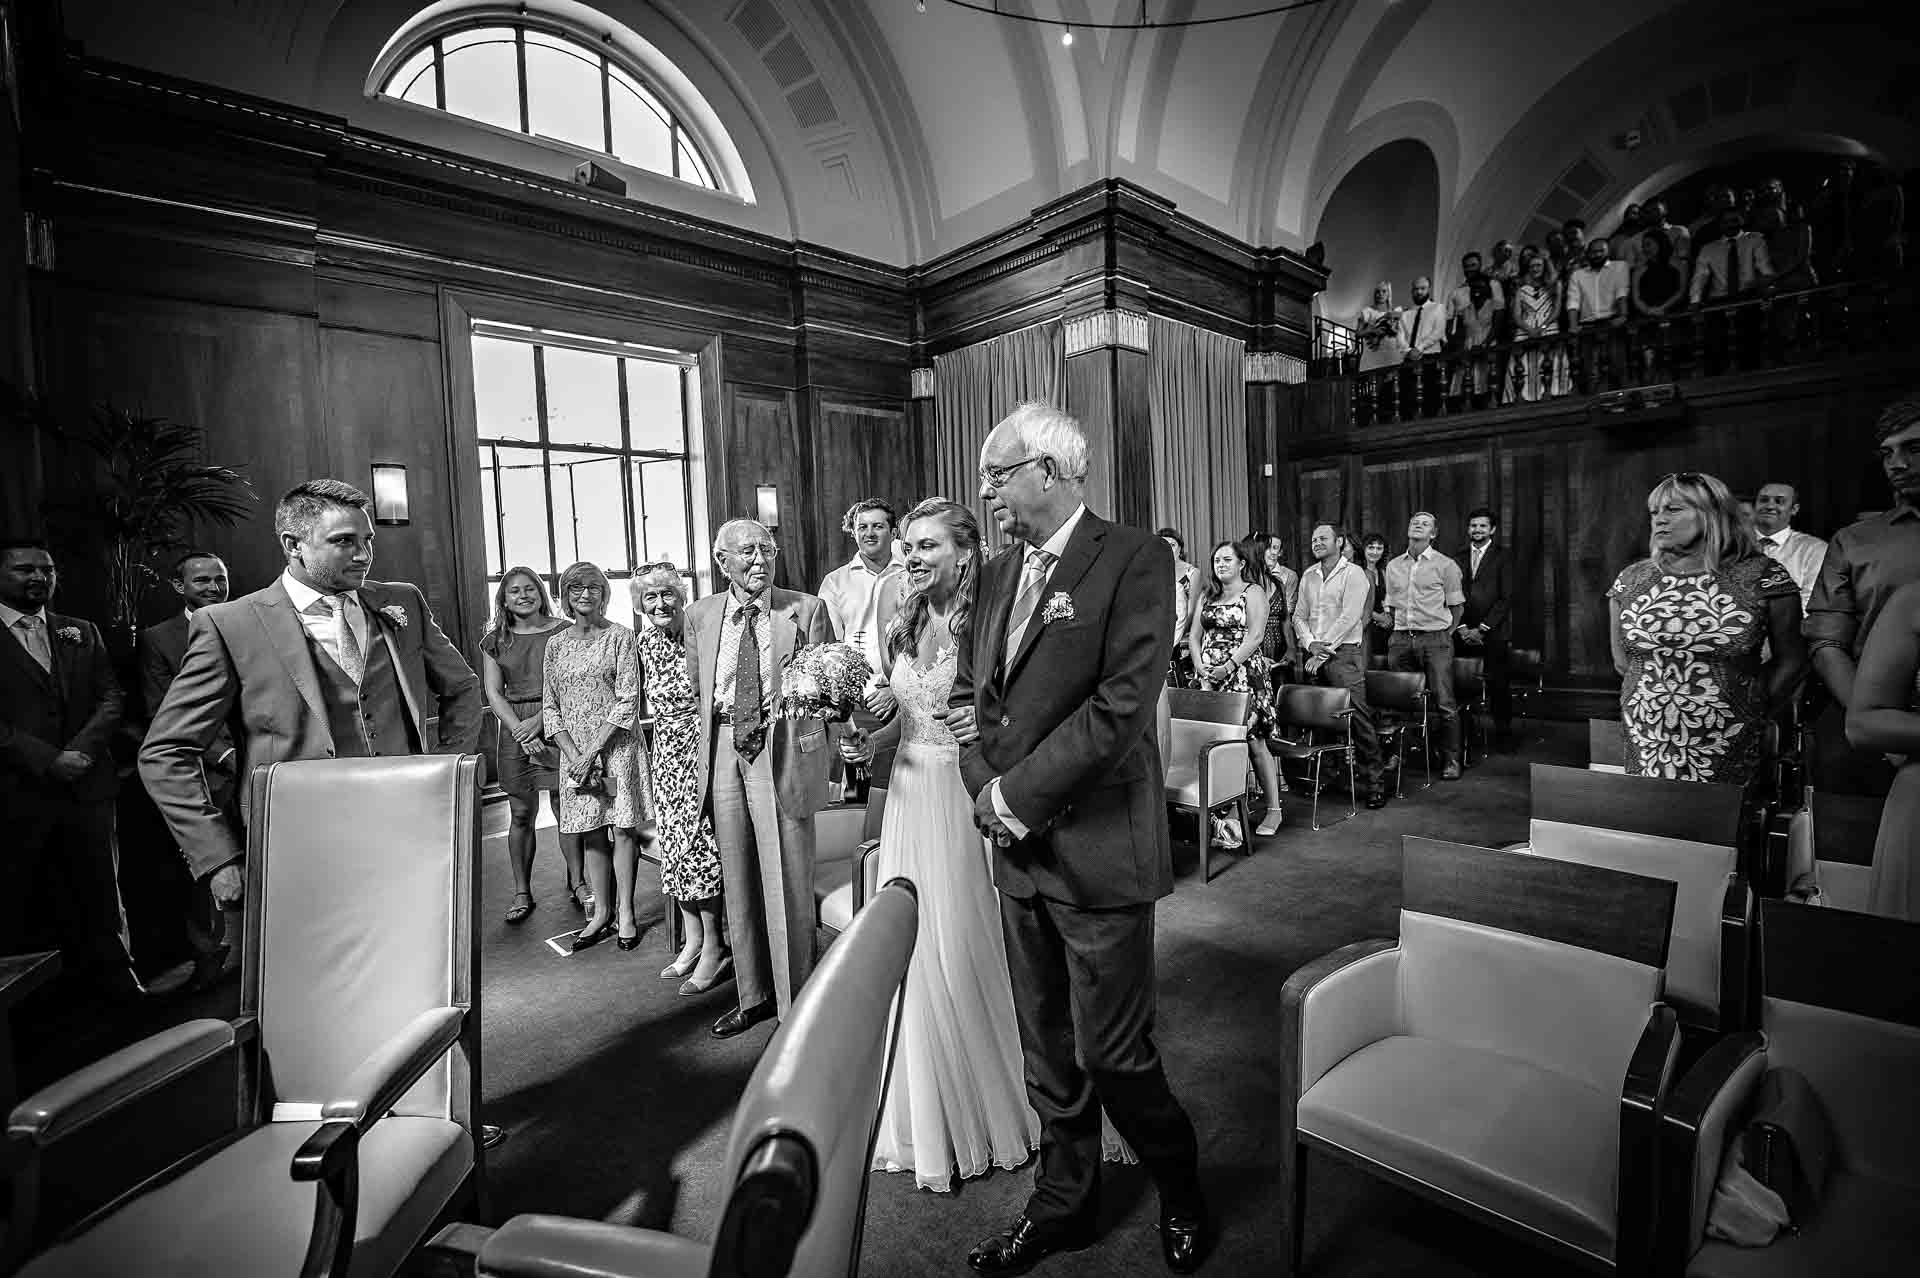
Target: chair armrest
[[378, 1082], [537, 1246], [87, 1095], [1693, 1135], [1738, 955], [1643, 1095], [1336, 1005], [868, 849], [1205, 766]]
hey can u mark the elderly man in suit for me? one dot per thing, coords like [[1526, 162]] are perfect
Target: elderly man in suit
[[59, 707], [199, 578], [767, 775], [1054, 702], [323, 663], [1486, 619]]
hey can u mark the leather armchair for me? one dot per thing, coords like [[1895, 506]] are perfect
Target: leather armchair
[[1830, 839], [1506, 1057], [797, 1158], [1841, 1007], [1207, 759], [356, 1048]]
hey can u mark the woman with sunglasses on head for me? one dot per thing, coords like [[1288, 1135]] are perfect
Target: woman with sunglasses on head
[[590, 697], [689, 856], [1688, 626], [513, 658]]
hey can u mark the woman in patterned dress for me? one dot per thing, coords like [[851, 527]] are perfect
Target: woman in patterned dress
[[1539, 371], [689, 857], [589, 699], [1688, 625], [513, 661], [1225, 636], [1885, 715]]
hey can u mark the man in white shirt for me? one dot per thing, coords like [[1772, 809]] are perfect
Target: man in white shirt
[[1597, 293], [859, 596], [1426, 597], [1732, 266], [1460, 300], [1330, 620], [1423, 328], [1801, 554]]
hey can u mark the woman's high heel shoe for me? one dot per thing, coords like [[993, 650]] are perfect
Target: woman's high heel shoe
[[587, 940], [675, 971], [628, 942], [721, 973]]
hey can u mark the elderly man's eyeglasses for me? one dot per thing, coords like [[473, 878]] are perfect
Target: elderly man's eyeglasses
[[1001, 476], [759, 551]]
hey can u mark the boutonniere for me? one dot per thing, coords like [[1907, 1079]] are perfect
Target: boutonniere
[[70, 634], [1057, 608], [396, 614]]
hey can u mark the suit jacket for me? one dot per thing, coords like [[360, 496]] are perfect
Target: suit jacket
[[248, 669], [799, 746], [75, 706], [159, 653], [1488, 591], [1068, 725]]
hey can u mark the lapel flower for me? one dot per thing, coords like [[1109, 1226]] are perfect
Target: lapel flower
[[70, 634], [1057, 608], [396, 614]]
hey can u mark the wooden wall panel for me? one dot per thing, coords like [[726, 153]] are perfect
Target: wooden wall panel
[[1323, 492], [859, 451], [764, 446], [1447, 486], [1090, 397]]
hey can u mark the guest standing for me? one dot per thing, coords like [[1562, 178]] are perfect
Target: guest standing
[[1330, 620], [1486, 620], [1688, 623], [1885, 716], [513, 662], [1540, 370], [1282, 584], [1225, 643], [1378, 329], [1425, 597], [1186, 584], [589, 698], [689, 856], [1373, 559]]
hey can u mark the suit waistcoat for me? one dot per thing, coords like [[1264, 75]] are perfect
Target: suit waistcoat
[[370, 719]]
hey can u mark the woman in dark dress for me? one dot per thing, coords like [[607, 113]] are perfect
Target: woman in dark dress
[[513, 653], [689, 857], [1373, 558]]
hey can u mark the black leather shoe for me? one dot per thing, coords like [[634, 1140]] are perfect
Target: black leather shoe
[[1185, 1240], [742, 1019], [1377, 799], [587, 940], [1025, 1245], [491, 1135]]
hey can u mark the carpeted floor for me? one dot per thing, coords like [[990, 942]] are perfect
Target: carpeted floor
[[617, 1100]]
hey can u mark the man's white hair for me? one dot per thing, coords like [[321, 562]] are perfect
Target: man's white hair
[[1041, 430], [721, 538]]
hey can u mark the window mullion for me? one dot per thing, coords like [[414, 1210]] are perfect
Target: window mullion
[[520, 58], [606, 103], [627, 478], [439, 76], [546, 456]]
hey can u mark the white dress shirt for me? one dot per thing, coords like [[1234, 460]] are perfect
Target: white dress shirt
[[10, 622], [1056, 546], [1333, 605], [320, 625], [1711, 273], [1592, 293], [1424, 327], [729, 659], [1801, 554], [852, 593]]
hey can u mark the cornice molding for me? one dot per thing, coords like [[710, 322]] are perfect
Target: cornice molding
[[1124, 330], [921, 380], [1272, 366]]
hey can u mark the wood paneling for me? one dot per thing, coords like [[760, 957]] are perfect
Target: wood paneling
[[859, 451], [1131, 468], [1447, 486]]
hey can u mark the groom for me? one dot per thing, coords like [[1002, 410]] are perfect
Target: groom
[[1054, 703]]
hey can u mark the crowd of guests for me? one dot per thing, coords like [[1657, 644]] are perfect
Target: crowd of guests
[[1584, 286]]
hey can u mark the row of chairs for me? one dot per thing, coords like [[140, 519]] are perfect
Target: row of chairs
[[1512, 1055]]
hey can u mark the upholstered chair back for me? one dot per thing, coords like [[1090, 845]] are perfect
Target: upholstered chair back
[[361, 917], [1545, 961], [1699, 812]]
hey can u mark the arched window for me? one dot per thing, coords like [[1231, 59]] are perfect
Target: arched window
[[535, 77]]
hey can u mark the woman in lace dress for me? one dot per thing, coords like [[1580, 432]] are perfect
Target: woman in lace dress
[[589, 698], [1225, 636], [1885, 715], [689, 857], [1688, 625]]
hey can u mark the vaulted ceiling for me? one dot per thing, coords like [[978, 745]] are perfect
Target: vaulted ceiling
[[873, 128]]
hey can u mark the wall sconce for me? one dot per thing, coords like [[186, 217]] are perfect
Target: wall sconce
[[767, 497], [389, 495]]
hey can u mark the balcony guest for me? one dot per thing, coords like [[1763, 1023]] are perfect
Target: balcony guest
[[1540, 370], [1598, 292], [1655, 217], [1378, 328], [1732, 266]]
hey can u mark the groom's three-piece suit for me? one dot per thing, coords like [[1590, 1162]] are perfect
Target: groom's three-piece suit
[[1067, 724]]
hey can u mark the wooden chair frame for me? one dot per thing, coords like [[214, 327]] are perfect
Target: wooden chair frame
[[1471, 708], [1406, 720]]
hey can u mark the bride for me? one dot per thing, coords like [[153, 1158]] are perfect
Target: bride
[[956, 1099]]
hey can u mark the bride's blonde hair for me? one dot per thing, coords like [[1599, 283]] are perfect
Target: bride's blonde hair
[[904, 634]]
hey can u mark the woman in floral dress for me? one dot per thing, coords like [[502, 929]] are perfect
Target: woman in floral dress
[[689, 857], [588, 702], [1688, 625], [1224, 639]]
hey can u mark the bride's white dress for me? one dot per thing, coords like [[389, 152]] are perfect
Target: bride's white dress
[[956, 1099]]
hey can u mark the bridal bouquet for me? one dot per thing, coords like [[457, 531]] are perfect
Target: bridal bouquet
[[1386, 326], [825, 681]]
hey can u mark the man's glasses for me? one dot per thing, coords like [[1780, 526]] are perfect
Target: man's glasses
[[1001, 476], [759, 552]]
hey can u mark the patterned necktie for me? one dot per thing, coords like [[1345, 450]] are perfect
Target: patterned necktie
[[33, 637], [749, 716], [1733, 266], [350, 659], [1035, 581]]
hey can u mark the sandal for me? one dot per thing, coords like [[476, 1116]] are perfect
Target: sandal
[[518, 913]]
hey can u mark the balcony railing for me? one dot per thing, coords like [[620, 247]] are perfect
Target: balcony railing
[[1856, 318]]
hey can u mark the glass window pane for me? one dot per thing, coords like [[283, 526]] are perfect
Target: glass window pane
[[490, 511], [583, 398], [654, 411], [413, 80], [662, 531], [563, 92], [589, 510], [620, 600], [641, 135], [523, 501], [692, 169], [503, 399], [483, 76]]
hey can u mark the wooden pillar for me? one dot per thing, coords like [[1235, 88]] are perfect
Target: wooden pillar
[[1107, 390], [1276, 399]]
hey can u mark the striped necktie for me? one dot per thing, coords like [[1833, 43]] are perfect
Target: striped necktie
[[1034, 581]]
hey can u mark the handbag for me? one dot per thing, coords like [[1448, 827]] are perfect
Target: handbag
[[1788, 1143]]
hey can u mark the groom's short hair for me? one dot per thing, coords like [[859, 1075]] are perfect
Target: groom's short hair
[[300, 508], [1045, 431]]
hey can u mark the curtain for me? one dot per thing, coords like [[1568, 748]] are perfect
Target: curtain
[[1197, 410], [973, 388]]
